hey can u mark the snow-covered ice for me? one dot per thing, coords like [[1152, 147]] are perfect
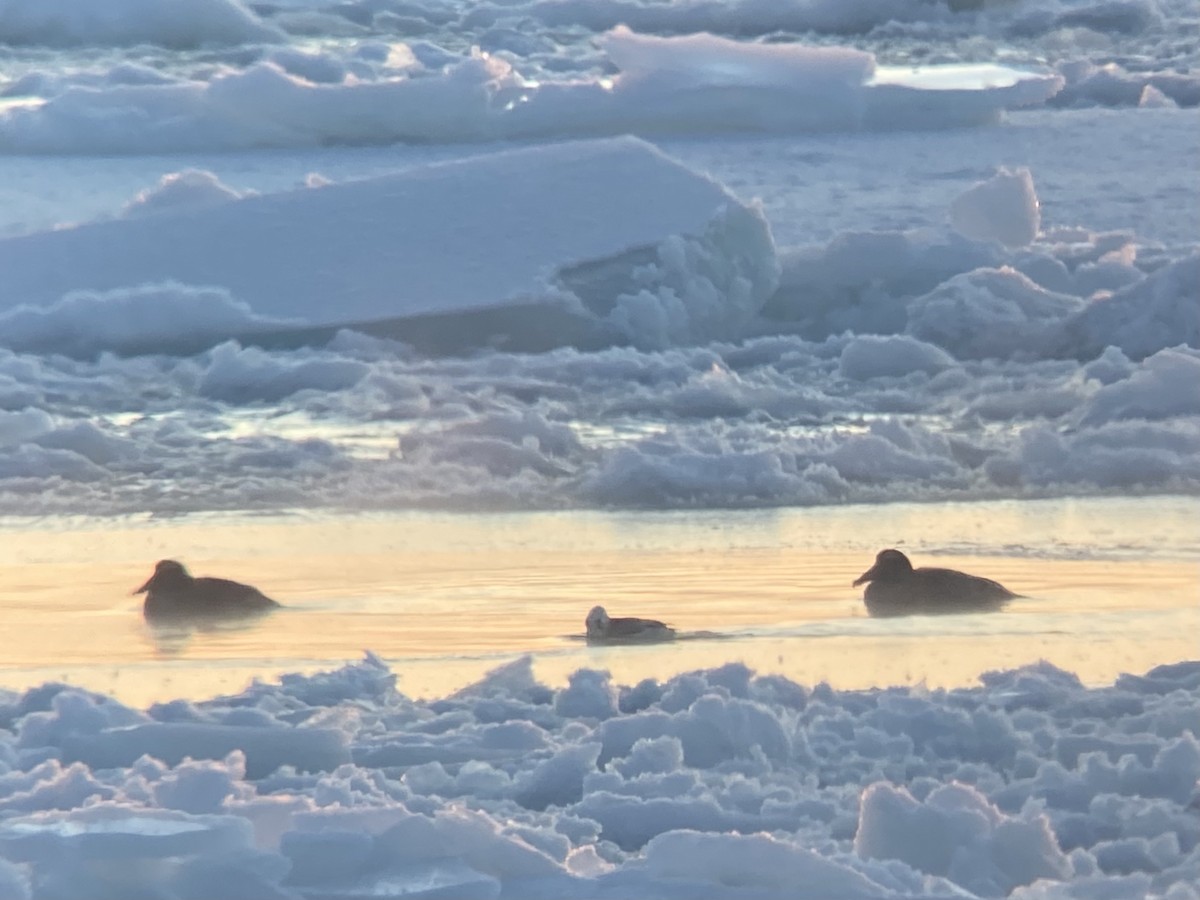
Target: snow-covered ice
[[691, 84], [515, 230], [394, 255], [715, 783], [884, 360]]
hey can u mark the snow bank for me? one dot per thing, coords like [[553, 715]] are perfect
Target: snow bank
[[957, 830], [776, 421], [1109, 84], [989, 313], [132, 320], [180, 24], [687, 362], [871, 356], [993, 287], [828, 17], [715, 783], [508, 25], [693, 84], [1152, 313]]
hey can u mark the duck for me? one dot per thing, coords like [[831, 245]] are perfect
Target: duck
[[173, 593], [895, 588], [602, 627]]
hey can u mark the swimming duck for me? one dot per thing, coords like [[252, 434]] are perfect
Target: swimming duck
[[897, 589], [602, 628], [172, 592]]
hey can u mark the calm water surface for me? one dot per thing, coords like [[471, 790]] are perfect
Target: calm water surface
[[1112, 585]]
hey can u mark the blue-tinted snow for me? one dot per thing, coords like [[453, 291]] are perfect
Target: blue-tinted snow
[[715, 783], [999, 311]]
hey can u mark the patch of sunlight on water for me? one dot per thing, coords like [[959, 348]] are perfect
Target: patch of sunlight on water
[[1111, 587]]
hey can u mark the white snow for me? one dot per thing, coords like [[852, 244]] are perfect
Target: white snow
[[691, 84], [987, 288], [715, 783], [773, 421], [872, 356], [989, 313], [1149, 314], [136, 319], [180, 191], [179, 24]]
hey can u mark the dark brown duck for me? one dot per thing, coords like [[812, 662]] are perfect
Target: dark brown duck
[[895, 588], [173, 593]]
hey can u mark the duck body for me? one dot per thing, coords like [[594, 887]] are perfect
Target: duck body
[[603, 628], [173, 593], [895, 588]]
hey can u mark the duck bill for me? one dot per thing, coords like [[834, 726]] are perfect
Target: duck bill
[[866, 576]]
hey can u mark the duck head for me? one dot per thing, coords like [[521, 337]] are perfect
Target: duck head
[[597, 621], [168, 575], [889, 564]]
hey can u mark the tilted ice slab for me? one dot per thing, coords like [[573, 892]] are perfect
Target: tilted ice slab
[[596, 241]]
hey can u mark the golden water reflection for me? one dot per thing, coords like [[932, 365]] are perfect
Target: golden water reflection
[[446, 598]]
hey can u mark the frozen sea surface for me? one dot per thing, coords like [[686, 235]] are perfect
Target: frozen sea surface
[[945, 300]]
